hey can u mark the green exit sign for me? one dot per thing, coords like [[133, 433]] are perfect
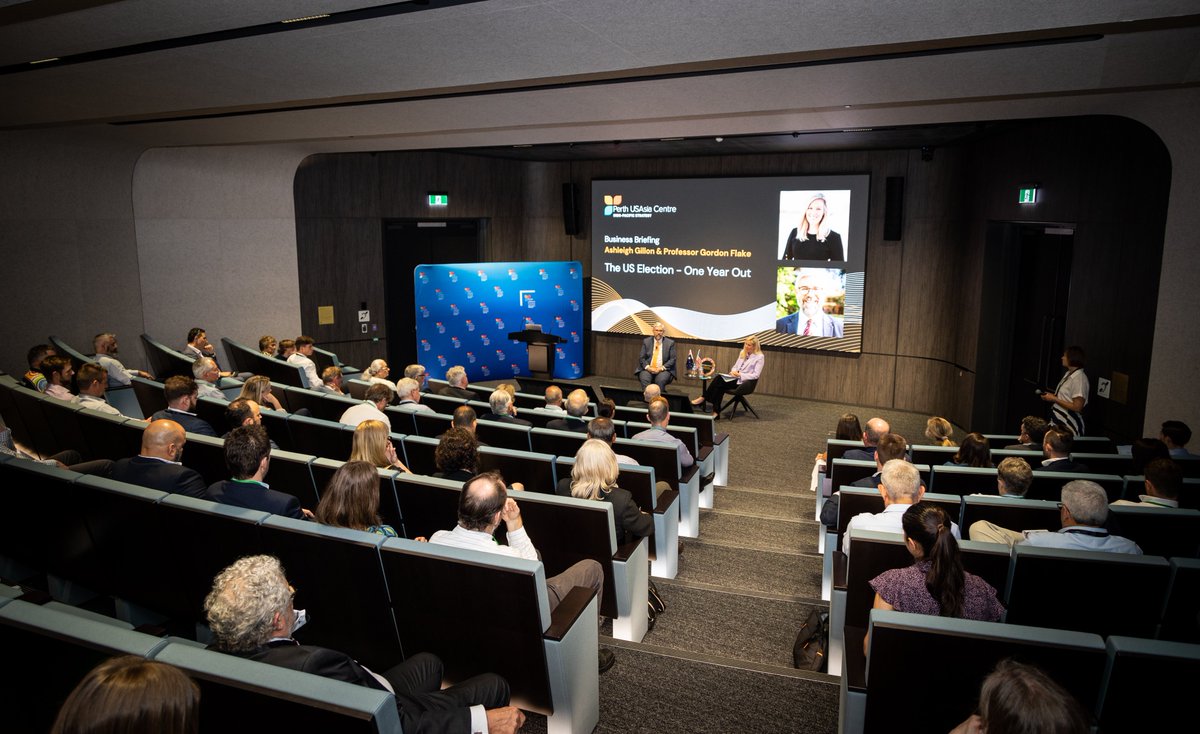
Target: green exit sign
[[1027, 196], [439, 199]]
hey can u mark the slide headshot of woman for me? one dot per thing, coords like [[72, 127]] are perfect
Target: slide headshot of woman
[[813, 239]]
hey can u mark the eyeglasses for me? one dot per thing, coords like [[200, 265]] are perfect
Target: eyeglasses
[[291, 593]]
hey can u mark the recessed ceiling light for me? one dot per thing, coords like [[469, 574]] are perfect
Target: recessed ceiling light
[[848, 106], [42, 61], [669, 140], [719, 139], [523, 145], [304, 18]]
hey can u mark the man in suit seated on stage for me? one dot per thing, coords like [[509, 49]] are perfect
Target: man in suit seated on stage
[[248, 456], [158, 467], [182, 394], [1056, 445], [457, 377], [876, 429], [577, 405], [891, 446], [503, 409], [656, 363], [811, 319], [251, 614]]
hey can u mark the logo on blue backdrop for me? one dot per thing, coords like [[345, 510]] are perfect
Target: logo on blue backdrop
[[453, 277], [471, 357], [512, 274], [438, 292], [575, 336], [484, 338], [441, 358], [558, 321], [441, 328], [558, 290], [500, 354], [483, 308], [542, 273], [574, 273], [470, 293], [424, 312], [457, 344], [453, 310], [424, 345], [499, 291], [499, 323], [486, 372], [482, 276], [526, 297], [422, 276], [574, 305], [470, 325]]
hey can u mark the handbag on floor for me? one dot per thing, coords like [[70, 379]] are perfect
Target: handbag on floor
[[808, 652]]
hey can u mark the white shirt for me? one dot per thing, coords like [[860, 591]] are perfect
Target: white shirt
[[519, 544], [308, 368], [208, 390], [99, 405], [623, 459], [554, 408], [381, 381], [412, 406], [888, 521], [60, 392], [117, 374], [364, 411], [1079, 537]]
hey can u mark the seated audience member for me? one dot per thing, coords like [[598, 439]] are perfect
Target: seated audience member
[[554, 400], [1176, 434], [377, 374], [287, 347], [891, 446], [258, 389], [1013, 477], [198, 347], [35, 379], [207, 374], [482, 506], [242, 412], [1083, 511], [1056, 446], [410, 397], [250, 613], [503, 410], [158, 467], [457, 377], [577, 408], [1163, 479], [331, 380], [901, 488], [659, 415], [594, 477], [248, 457], [509, 388], [1033, 430], [973, 452], [267, 345], [57, 374], [606, 408], [464, 417], [181, 394], [351, 499], [105, 346], [131, 695], [377, 398], [420, 374], [605, 430], [456, 455], [748, 366], [372, 444], [69, 459], [876, 429], [938, 432], [847, 429], [92, 383], [649, 393], [302, 358], [1144, 450], [1021, 699], [936, 583], [656, 363]]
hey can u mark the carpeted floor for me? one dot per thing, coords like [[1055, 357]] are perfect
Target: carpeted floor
[[719, 658]]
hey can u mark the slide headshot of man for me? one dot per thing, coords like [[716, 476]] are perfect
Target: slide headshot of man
[[813, 287]]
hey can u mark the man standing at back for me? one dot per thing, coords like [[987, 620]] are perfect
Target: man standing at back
[[181, 395], [158, 467], [659, 415], [302, 358], [656, 363], [248, 456]]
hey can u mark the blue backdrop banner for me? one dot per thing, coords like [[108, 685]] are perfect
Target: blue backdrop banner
[[465, 312]]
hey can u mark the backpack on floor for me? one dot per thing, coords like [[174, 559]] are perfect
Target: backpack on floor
[[808, 652]]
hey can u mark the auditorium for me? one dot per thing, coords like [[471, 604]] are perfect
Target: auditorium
[[1025, 178]]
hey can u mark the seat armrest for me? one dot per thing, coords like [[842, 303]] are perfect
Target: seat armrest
[[841, 565], [625, 551], [704, 453], [666, 501], [567, 611], [686, 475], [719, 438], [854, 658]]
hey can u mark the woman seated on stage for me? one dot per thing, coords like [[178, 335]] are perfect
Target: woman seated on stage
[[748, 366], [594, 477], [351, 500], [372, 445]]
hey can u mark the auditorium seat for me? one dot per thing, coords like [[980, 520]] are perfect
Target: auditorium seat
[[206, 455], [419, 454], [389, 510], [503, 435], [1104, 463], [324, 358], [41, 439], [356, 389], [1147, 681], [403, 421], [42, 502], [443, 403], [1013, 514], [149, 394], [1181, 613], [1159, 531], [427, 504], [963, 480], [8, 411], [299, 398], [535, 471], [164, 361], [63, 418], [106, 438], [430, 424], [330, 407], [289, 472], [556, 443], [320, 437], [664, 459], [704, 455], [1047, 485], [212, 411]]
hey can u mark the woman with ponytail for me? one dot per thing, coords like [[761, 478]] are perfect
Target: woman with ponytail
[[936, 582]]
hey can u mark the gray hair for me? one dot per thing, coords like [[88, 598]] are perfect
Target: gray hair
[[414, 371], [456, 375], [405, 387], [202, 367], [500, 400], [376, 367], [244, 600], [1086, 501], [901, 480], [577, 403]]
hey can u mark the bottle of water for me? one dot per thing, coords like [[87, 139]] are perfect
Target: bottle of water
[[691, 364]]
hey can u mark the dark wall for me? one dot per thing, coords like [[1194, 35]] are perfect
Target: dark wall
[[922, 301]]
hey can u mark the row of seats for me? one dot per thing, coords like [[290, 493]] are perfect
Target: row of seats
[[407, 597]]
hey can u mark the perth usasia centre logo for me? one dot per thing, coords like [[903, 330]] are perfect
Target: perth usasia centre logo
[[614, 208], [611, 201]]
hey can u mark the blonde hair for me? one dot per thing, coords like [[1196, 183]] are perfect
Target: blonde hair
[[938, 430], [255, 388], [823, 228], [595, 470], [757, 346], [370, 443]]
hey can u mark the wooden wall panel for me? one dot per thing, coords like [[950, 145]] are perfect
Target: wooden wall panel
[[343, 185], [340, 265]]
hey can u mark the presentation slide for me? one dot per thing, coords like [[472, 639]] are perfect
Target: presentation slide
[[719, 259]]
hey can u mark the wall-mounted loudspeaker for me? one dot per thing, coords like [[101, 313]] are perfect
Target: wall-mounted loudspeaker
[[570, 210], [893, 209]]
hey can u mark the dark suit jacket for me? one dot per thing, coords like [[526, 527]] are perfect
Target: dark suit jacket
[[164, 477], [570, 423], [505, 418], [255, 497], [871, 482], [668, 354], [415, 715], [866, 453], [1066, 465], [631, 522], [1024, 447], [825, 325], [458, 392], [191, 423]]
